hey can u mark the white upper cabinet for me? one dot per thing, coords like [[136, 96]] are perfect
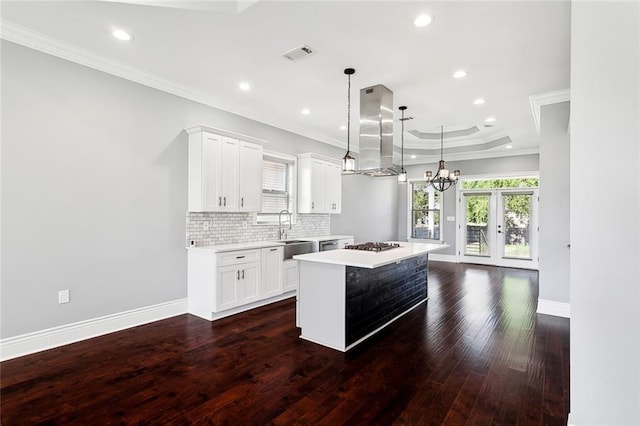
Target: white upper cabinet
[[225, 173], [333, 187], [250, 177], [319, 184]]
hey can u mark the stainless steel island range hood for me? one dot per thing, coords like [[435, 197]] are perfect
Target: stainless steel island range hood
[[376, 132]]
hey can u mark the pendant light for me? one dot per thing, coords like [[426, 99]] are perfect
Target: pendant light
[[443, 179], [402, 176], [348, 161]]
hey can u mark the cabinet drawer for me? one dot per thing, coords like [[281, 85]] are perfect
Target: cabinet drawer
[[237, 257]]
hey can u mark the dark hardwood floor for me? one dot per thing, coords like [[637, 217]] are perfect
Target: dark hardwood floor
[[476, 353]]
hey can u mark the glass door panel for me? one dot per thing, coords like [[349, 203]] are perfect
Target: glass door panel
[[515, 230], [477, 223]]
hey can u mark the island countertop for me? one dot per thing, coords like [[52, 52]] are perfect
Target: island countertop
[[369, 259]]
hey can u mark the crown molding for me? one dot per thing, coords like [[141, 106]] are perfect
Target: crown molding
[[473, 156], [54, 47], [538, 101]]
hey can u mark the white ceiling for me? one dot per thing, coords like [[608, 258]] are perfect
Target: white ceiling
[[202, 50]]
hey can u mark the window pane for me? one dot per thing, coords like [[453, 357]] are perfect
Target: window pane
[[500, 183], [476, 227], [274, 203], [425, 221], [517, 210], [420, 196], [274, 176], [426, 224]]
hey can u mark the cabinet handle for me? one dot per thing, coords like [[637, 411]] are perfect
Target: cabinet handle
[[237, 275], [312, 205], [225, 200], [219, 201], [239, 257], [242, 202], [243, 274], [274, 249]]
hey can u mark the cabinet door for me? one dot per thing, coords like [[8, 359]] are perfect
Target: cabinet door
[[229, 174], [227, 279], [318, 187], [211, 161], [290, 275], [250, 179], [333, 187], [271, 272], [249, 282]]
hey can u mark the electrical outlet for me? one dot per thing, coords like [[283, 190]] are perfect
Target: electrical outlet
[[63, 296]]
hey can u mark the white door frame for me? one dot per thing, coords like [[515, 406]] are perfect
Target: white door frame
[[495, 217]]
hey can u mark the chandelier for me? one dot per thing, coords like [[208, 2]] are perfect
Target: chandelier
[[348, 161], [443, 179]]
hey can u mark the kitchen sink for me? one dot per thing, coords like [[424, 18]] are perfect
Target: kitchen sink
[[293, 247]]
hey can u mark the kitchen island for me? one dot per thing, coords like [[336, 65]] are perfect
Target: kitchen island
[[346, 296]]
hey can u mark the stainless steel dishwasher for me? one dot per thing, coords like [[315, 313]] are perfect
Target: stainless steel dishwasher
[[328, 245]]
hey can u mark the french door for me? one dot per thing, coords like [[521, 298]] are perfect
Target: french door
[[499, 227]]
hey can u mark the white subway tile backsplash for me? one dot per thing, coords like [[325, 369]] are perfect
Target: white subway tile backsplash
[[231, 228]]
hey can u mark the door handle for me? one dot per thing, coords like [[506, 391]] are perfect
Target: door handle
[[219, 201], [243, 274], [225, 201], [241, 201], [237, 275]]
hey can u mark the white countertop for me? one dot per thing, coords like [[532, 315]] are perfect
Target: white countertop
[[324, 238], [369, 259], [239, 246]]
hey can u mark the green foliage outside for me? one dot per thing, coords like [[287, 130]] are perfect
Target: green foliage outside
[[517, 206]]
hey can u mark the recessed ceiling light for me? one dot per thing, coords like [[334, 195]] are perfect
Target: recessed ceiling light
[[306, 111], [244, 86], [478, 101], [413, 157], [490, 120], [343, 127], [423, 20], [460, 74], [122, 35], [508, 146]]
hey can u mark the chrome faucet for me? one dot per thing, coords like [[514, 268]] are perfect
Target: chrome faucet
[[282, 232]]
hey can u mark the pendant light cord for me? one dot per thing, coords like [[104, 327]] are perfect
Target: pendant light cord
[[402, 141], [441, 142], [349, 114]]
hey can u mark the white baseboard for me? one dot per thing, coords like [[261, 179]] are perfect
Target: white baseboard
[[212, 316], [569, 422], [443, 257], [37, 341], [551, 307]]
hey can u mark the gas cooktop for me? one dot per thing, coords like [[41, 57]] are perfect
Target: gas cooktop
[[376, 247]]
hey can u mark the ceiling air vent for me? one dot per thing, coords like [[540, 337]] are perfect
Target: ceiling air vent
[[299, 53]]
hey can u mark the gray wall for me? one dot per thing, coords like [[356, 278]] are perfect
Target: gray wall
[[369, 211], [482, 167], [94, 189], [554, 203], [605, 213]]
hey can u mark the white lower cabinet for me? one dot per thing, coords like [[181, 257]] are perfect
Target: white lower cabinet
[[239, 282], [290, 275], [223, 283], [271, 271]]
